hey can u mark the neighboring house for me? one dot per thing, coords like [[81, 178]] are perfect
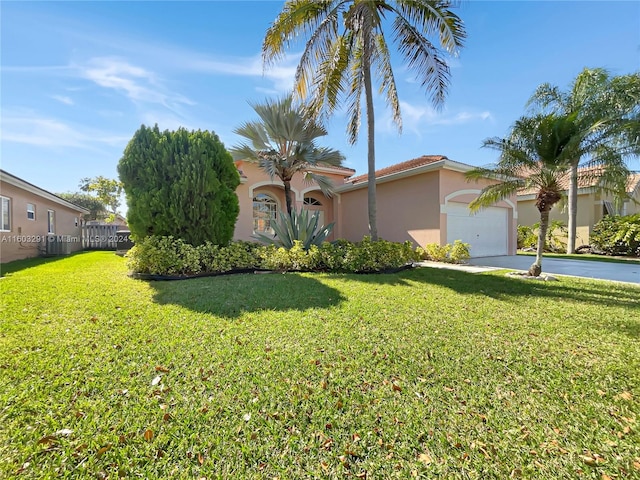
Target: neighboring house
[[593, 204], [424, 200], [34, 221]]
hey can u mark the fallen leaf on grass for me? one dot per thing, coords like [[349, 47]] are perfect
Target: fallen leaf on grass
[[156, 380], [47, 439], [162, 369], [625, 396], [65, 432], [103, 450], [425, 458], [148, 435]]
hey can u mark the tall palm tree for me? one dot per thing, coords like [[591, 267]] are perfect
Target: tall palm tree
[[283, 143], [536, 156], [346, 44], [608, 107]]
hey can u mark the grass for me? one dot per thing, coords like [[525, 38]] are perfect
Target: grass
[[585, 256], [425, 373]]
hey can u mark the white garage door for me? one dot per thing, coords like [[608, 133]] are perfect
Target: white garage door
[[486, 230]]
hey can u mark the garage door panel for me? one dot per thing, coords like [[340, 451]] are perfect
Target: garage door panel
[[486, 231]]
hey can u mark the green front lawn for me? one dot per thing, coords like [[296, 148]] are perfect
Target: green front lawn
[[423, 373]]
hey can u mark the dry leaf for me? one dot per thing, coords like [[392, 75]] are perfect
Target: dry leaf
[[246, 417], [103, 450], [148, 435], [636, 464], [65, 432], [156, 380], [166, 417], [200, 459], [625, 395], [425, 458], [46, 440], [396, 387], [162, 369]]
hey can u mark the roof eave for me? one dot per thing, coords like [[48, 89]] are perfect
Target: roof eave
[[31, 188]]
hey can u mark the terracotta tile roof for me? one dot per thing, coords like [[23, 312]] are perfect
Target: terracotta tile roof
[[399, 167]]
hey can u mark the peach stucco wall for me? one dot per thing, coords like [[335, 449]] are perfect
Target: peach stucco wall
[[26, 237], [410, 208], [414, 208], [257, 181], [407, 210]]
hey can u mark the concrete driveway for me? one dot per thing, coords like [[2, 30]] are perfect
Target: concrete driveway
[[620, 272]]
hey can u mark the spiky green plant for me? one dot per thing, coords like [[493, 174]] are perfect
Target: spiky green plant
[[298, 226]]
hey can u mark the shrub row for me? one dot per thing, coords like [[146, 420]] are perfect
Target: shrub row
[[456, 253], [172, 256], [617, 235]]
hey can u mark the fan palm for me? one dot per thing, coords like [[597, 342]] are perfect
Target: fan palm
[[347, 44], [283, 143], [605, 107], [536, 156]]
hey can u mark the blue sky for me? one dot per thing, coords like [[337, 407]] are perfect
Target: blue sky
[[79, 78]]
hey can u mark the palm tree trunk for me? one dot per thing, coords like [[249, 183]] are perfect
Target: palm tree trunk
[[287, 196], [536, 269], [573, 208], [371, 150]]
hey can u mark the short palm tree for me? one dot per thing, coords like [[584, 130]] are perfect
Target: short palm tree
[[607, 109], [283, 143], [347, 44], [536, 156]]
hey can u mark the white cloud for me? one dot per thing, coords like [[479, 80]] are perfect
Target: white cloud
[[31, 129], [415, 118], [138, 84], [282, 75], [63, 99]]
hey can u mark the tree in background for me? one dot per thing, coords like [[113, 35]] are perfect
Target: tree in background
[[180, 183], [536, 155], [107, 190], [346, 44], [97, 209], [282, 143], [609, 108]]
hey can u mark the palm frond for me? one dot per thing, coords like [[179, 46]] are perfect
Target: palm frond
[[381, 59], [424, 58], [492, 194], [325, 183]]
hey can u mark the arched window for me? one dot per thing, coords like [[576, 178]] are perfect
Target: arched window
[[265, 211], [312, 202]]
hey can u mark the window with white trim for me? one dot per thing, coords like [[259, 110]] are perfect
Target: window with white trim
[[5, 214], [51, 221], [313, 202], [31, 211], [265, 211]]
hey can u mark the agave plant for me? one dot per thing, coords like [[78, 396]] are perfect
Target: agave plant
[[297, 226]]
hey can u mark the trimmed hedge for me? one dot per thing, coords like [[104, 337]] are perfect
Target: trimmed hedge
[[171, 256], [616, 235]]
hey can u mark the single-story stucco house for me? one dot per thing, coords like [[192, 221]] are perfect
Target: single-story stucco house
[[424, 200], [34, 221], [593, 205]]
